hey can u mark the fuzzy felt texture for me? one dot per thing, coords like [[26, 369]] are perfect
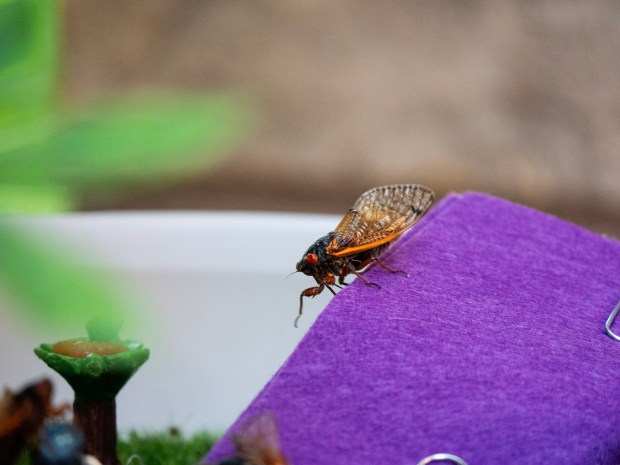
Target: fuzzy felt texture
[[492, 349]]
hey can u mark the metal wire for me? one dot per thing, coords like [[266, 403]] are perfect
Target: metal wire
[[610, 321], [442, 457]]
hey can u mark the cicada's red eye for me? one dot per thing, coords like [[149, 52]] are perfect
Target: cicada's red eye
[[312, 259]]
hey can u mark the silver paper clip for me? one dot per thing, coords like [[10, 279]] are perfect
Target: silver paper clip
[[442, 458], [610, 321]]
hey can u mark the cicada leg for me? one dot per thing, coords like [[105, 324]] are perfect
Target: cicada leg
[[352, 269], [311, 292], [389, 268]]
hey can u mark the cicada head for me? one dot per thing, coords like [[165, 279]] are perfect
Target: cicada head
[[313, 260]]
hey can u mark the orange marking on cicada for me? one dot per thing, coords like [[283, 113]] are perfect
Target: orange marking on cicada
[[362, 248]]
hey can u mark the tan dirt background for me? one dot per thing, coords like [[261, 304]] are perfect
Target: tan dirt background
[[520, 99]]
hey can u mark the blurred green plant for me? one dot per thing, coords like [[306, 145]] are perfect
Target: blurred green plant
[[51, 157]]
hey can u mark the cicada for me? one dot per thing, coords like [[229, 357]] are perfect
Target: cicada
[[257, 443], [376, 220]]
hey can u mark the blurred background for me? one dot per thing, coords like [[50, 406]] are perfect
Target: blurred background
[[518, 99], [109, 106]]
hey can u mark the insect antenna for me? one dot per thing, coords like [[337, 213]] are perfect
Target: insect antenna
[[289, 275]]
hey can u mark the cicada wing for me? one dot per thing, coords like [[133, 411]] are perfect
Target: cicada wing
[[258, 442], [379, 216]]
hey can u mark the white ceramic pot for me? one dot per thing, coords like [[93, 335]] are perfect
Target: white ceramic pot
[[217, 306]]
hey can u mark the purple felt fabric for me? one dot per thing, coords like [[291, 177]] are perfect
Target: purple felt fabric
[[492, 349]]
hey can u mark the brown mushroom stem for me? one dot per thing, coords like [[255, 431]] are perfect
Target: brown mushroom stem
[[98, 422]]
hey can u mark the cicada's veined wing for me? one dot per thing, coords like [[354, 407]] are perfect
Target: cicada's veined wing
[[258, 442], [379, 216]]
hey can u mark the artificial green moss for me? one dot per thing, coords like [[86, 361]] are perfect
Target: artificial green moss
[[160, 448], [167, 448]]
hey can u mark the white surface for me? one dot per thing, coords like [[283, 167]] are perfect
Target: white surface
[[218, 308]]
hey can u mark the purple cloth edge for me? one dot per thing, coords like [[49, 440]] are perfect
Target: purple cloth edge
[[443, 208]]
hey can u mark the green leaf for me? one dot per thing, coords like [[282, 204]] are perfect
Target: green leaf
[[53, 290], [34, 199], [29, 52], [136, 139]]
